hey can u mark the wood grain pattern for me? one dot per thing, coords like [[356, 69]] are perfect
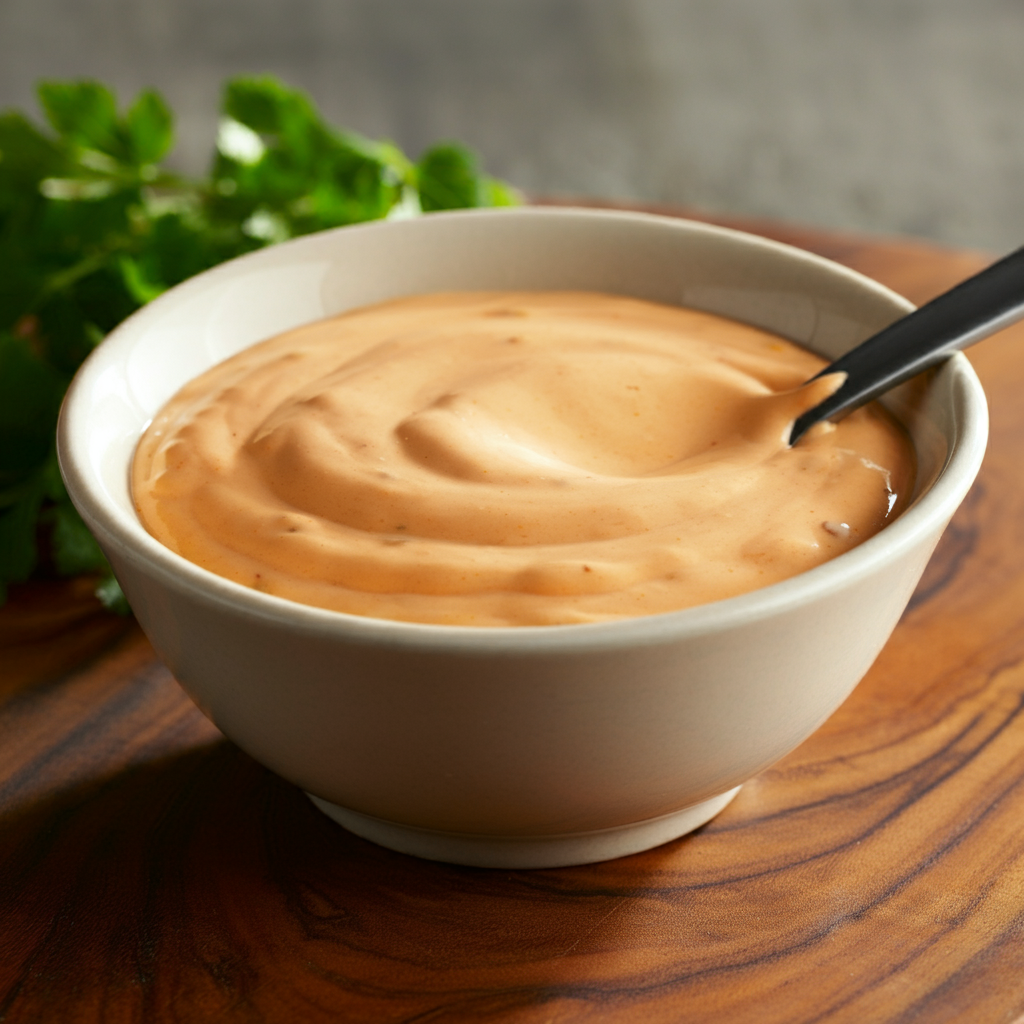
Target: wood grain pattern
[[149, 871]]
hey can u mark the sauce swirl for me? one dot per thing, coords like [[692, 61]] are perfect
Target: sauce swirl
[[501, 459]]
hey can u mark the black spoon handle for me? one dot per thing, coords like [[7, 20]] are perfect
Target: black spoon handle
[[973, 310]]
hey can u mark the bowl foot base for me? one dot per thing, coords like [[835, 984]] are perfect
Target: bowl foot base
[[553, 851]]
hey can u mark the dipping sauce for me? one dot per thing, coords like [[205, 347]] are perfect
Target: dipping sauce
[[505, 459]]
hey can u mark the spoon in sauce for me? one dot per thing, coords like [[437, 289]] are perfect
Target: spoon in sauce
[[971, 311]]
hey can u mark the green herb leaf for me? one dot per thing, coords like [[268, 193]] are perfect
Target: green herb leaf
[[136, 280], [269, 107], [19, 512], [498, 193], [84, 113], [449, 178], [150, 127], [30, 394], [74, 549], [26, 158], [111, 596]]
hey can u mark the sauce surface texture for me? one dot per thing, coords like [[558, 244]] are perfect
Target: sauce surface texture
[[503, 459]]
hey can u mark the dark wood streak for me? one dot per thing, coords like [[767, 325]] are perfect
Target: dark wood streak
[[150, 871], [966, 986]]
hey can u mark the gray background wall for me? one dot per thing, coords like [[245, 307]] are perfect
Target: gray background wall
[[881, 115]]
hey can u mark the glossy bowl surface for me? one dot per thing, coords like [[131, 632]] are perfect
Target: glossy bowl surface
[[532, 746]]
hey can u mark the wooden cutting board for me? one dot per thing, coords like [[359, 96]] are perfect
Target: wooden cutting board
[[150, 871]]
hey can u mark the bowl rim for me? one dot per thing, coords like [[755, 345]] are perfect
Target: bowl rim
[[133, 543]]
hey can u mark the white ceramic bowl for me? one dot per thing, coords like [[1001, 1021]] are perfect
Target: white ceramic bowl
[[532, 746]]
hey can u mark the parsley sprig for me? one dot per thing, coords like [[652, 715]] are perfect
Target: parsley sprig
[[93, 226]]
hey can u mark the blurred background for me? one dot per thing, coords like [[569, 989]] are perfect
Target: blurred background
[[896, 116]]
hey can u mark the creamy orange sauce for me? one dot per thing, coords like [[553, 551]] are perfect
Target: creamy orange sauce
[[500, 459]]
